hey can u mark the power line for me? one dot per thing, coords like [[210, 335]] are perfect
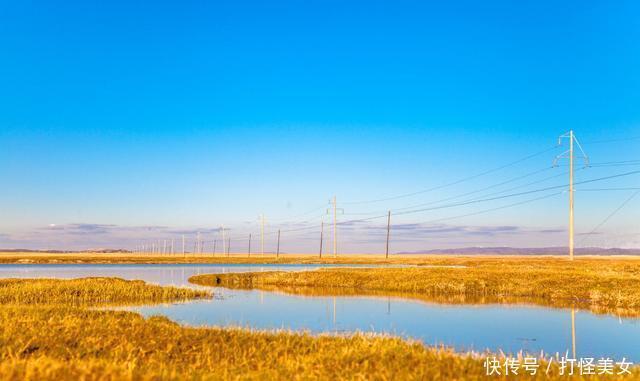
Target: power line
[[486, 195], [496, 208], [606, 189], [474, 201], [516, 194], [617, 162], [610, 216], [454, 182], [612, 140]]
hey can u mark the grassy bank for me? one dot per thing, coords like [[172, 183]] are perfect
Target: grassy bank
[[89, 292], [57, 343], [601, 285], [57, 337]]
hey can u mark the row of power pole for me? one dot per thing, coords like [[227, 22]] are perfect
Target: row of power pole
[[168, 247]]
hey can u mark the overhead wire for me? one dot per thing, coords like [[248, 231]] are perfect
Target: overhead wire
[[453, 182], [613, 213]]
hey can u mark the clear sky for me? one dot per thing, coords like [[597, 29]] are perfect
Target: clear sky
[[126, 121]]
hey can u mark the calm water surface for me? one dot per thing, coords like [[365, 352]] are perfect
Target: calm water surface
[[510, 328]]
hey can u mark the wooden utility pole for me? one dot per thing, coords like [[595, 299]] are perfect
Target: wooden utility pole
[[321, 234], [278, 246], [249, 251], [388, 230]]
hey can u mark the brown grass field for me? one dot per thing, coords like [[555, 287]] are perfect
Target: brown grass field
[[405, 259], [51, 330], [64, 338]]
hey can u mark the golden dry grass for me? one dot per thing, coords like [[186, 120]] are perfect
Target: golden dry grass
[[603, 285], [48, 332], [90, 291], [57, 343], [64, 340], [243, 258]]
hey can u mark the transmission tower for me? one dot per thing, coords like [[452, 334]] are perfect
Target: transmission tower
[[570, 154], [334, 210]]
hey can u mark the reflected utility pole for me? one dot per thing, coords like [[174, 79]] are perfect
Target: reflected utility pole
[[334, 312], [573, 331]]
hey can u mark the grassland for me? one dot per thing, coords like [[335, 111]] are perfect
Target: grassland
[[61, 339], [51, 330], [602, 285], [90, 292]]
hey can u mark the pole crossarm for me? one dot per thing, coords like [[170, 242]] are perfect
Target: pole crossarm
[[571, 155]]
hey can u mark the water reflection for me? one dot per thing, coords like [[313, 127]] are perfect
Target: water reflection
[[573, 332], [163, 274], [466, 327], [509, 328]]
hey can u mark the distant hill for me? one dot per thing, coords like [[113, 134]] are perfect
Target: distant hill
[[527, 251]]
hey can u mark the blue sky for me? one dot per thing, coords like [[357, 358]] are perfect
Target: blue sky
[[122, 122]]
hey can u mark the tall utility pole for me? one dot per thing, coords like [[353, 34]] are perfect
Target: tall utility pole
[[321, 234], [228, 246], [388, 230], [222, 239], [215, 241], [249, 251], [335, 227], [570, 154], [278, 246], [262, 234], [335, 209]]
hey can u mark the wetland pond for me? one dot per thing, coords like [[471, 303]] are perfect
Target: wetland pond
[[497, 327]]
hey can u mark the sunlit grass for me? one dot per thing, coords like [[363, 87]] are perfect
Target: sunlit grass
[[244, 258], [602, 285], [62, 343], [49, 330], [89, 291]]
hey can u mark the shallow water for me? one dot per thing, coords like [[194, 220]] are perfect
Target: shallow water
[[509, 328]]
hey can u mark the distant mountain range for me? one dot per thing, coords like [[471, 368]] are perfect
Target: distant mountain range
[[527, 251]]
